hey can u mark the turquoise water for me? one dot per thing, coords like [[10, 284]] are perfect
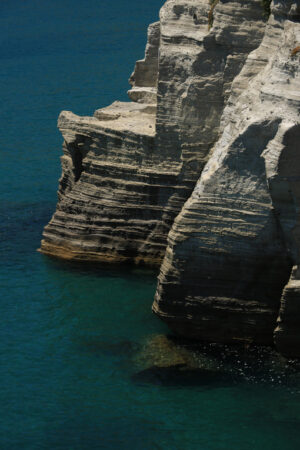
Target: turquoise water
[[84, 363]]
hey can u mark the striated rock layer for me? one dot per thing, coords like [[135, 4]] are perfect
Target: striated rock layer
[[231, 249], [128, 171], [200, 171]]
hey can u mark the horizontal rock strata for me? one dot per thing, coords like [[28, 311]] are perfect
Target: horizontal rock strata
[[128, 170], [200, 171], [231, 248], [108, 199]]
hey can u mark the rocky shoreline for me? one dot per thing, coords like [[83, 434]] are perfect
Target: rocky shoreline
[[199, 174]]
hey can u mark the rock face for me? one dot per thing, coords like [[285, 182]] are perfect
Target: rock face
[[232, 247], [200, 170], [128, 171]]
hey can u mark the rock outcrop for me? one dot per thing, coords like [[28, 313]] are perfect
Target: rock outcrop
[[200, 170], [232, 247], [128, 171]]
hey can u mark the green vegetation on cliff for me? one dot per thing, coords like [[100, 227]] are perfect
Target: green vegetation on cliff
[[213, 4]]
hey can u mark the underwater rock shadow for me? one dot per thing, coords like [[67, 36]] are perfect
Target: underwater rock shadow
[[182, 375]]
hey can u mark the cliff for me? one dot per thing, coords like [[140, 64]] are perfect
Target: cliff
[[198, 173]]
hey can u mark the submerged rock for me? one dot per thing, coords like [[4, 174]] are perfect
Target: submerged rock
[[199, 172], [163, 351], [165, 361], [175, 361]]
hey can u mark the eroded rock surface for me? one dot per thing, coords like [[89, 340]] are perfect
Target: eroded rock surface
[[231, 248], [128, 171], [200, 170]]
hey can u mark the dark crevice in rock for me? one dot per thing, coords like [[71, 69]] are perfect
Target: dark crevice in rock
[[77, 161], [266, 5], [78, 150]]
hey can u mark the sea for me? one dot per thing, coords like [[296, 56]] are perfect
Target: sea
[[84, 363]]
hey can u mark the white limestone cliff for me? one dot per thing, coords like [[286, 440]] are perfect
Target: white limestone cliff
[[231, 248], [200, 170]]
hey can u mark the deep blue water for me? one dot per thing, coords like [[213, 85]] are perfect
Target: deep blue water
[[84, 363]]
